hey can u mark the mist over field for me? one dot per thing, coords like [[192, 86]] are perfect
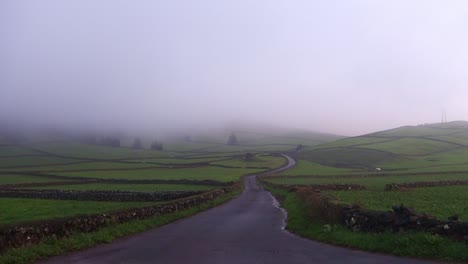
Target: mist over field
[[343, 67]]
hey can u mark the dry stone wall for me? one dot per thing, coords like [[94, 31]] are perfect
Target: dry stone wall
[[411, 185], [31, 233], [109, 196], [355, 218]]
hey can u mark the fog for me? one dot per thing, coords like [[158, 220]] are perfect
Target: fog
[[345, 67]]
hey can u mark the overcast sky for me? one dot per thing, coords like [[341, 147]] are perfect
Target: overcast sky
[[346, 67]]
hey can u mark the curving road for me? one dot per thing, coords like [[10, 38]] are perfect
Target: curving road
[[248, 229]]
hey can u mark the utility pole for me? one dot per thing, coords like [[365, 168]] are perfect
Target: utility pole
[[444, 115]]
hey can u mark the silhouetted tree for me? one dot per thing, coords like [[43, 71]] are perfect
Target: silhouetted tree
[[137, 143], [188, 139], [299, 147], [12, 136], [232, 140], [110, 141], [88, 139], [156, 145], [249, 156]]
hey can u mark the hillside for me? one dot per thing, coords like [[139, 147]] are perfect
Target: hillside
[[423, 148], [253, 138]]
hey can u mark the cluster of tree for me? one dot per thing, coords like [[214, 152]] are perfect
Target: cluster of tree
[[299, 147], [88, 139], [137, 143], [156, 145], [12, 136], [249, 156], [110, 141], [232, 140]]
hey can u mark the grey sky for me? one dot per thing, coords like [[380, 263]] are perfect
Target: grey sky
[[346, 67]]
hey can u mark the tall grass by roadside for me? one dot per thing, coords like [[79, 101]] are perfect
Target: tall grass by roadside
[[408, 244]]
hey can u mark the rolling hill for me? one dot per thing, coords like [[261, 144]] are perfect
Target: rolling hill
[[424, 148]]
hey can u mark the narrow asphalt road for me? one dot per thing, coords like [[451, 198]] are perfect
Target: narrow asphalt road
[[248, 229]]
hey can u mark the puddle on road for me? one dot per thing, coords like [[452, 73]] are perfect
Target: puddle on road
[[283, 212]]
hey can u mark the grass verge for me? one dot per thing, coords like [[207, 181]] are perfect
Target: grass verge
[[408, 244], [79, 241]]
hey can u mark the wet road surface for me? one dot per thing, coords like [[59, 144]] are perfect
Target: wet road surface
[[248, 229]]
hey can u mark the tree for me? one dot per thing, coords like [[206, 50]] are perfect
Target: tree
[[232, 140], [156, 145], [299, 147], [249, 156], [137, 143], [110, 141]]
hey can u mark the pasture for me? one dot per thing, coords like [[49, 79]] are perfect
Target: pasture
[[410, 148], [435, 154], [442, 202], [26, 210], [203, 164], [127, 187]]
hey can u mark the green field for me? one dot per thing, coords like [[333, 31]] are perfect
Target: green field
[[14, 179], [428, 148], [129, 187], [82, 166], [199, 173], [412, 146], [258, 161], [179, 160], [436, 152], [304, 167], [21, 210], [84, 151], [441, 202], [372, 183], [409, 154], [11, 151], [19, 162], [409, 244]]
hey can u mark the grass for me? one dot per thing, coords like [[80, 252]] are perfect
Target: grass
[[350, 142], [79, 241], [304, 167], [449, 158], [199, 173], [418, 131], [441, 168], [129, 187], [411, 244], [189, 146], [14, 179], [412, 146], [372, 183], [7, 151], [76, 150], [461, 138], [87, 165], [22, 210], [441, 202], [32, 161], [179, 161], [347, 157], [259, 161]]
